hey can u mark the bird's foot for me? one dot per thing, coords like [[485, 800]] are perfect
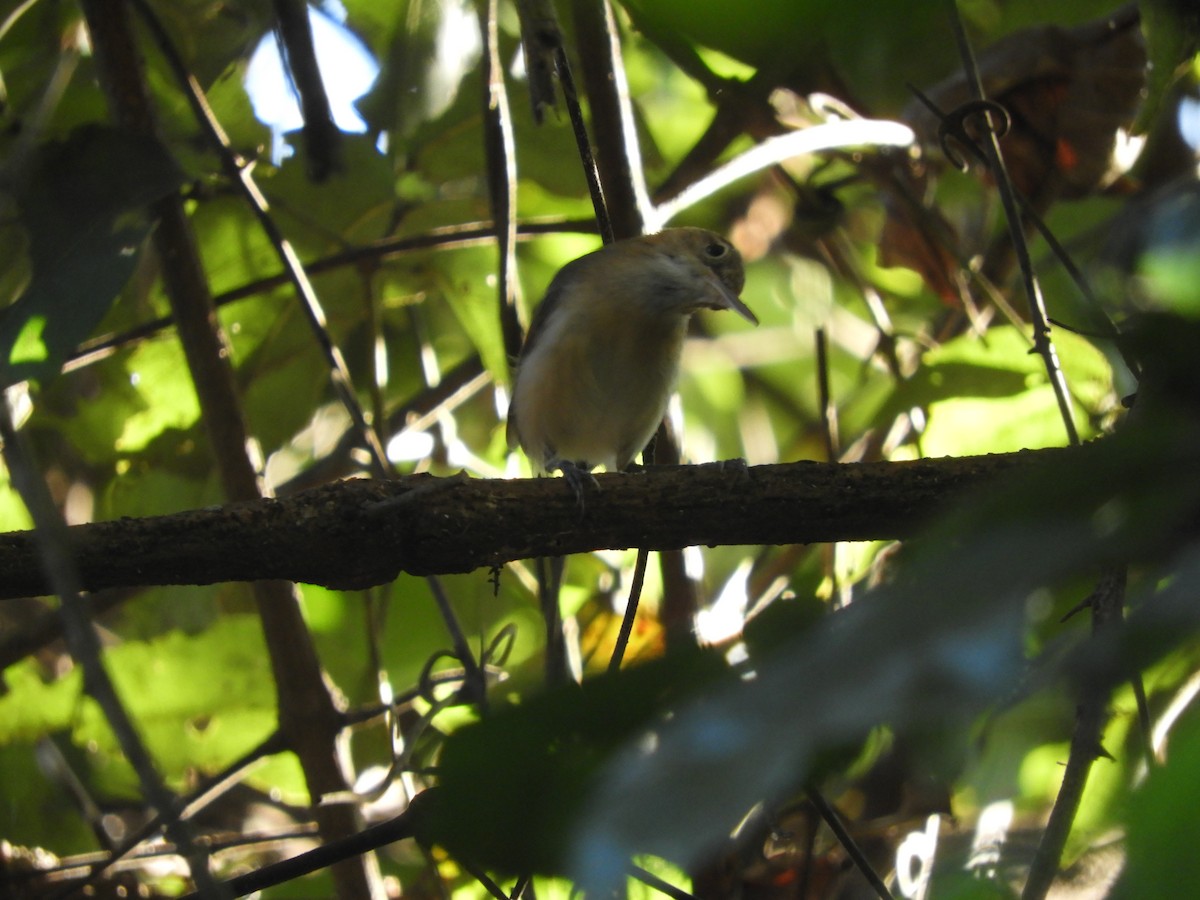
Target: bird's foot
[[577, 475]]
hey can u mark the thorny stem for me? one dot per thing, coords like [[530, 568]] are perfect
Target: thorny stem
[[1042, 342], [1105, 603]]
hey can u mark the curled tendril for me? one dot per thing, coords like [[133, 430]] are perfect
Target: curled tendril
[[953, 127], [432, 688]]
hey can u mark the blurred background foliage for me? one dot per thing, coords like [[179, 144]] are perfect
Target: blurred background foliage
[[950, 683]]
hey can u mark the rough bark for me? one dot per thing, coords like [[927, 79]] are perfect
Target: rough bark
[[359, 533]]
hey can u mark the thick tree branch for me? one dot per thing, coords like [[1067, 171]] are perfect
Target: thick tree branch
[[358, 533]]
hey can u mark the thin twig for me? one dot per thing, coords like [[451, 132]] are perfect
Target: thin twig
[[817, 139], [209, 790], [458, 236], [1030, 214], [549, 581], [1106, 603], [830, 817], [322, 139], [829, 426], [1042, 342], [829, 433], [325, 856], [240, 174], [663, 887], [500, 152], [631, 608], [618, 154], [540, 37], [474, 680], [584, 145]]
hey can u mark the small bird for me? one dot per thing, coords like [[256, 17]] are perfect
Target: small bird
[[602, 353]]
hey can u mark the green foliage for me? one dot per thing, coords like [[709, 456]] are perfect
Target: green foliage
[[513, 786], [928, 653], [1160, 818], [76, 199]]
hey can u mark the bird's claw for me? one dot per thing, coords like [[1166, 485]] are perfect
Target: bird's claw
[[577, 476]]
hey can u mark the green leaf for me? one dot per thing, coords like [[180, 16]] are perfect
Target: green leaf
[[200, 701], [990, 394], [1163, 819], [1172, 29], [83, 246], [512, 785], [33, 707]]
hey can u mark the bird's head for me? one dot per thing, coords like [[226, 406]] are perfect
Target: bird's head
[[693, 268]]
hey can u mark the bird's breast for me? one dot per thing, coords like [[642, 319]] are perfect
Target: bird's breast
[[596, 390]]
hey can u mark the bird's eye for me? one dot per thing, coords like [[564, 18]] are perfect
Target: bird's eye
[[715, 250]]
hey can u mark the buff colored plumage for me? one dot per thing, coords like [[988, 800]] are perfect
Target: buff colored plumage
[[602, 354]]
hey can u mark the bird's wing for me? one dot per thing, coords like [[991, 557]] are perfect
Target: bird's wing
[[537, 327]]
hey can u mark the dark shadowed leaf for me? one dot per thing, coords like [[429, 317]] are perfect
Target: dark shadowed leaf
[[512, 785], [76, 200], [937, 645]]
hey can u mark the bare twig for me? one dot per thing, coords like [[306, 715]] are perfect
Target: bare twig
[[323, 857], [310, 304], [631, 608], [618, 155], [1106, 603], [500, 152], [830, 435], [471, 235], [584, 145], [819, 138], [1043, 344], [663, 887], [830, 817], [322, 139], [209, 790], [540, 39]]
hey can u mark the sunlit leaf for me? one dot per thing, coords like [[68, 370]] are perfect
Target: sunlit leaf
[[182, 690], [992, 394], [1163, 814]]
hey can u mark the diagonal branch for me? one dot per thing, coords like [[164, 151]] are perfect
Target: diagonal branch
[[1042, 342], [240, 176], [307, 710]]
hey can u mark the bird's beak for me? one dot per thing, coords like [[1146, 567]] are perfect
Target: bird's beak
[[724, 298]]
